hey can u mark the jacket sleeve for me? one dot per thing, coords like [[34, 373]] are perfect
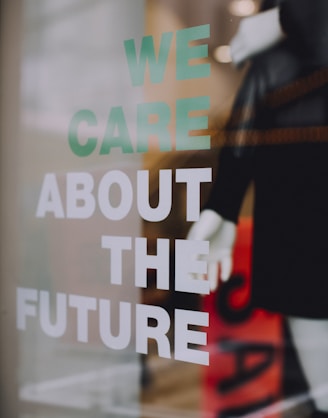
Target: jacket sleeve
[[236, 159]]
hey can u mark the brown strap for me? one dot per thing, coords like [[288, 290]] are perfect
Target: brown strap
[[312, 134], [298, 88]]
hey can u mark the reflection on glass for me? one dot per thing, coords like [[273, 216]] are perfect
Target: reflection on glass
[[73, 58]]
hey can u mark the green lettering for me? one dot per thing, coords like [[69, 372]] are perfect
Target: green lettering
[[185, 53], [147, 53], [116, 123], [159, 128], [82, 150], [185, 124]]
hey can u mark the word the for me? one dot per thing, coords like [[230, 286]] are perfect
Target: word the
[[188, 264]]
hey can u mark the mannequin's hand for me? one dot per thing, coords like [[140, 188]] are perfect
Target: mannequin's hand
[[255, 34], [221, 235]]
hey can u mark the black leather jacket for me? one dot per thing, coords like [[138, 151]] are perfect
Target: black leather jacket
[[277, 136]]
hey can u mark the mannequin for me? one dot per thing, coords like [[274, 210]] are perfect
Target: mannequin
[[211, 226], [247, 41], [289, 240]]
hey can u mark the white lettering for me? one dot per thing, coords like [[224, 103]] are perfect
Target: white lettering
[[115, 195], [116, 245], [83, 305], [193, 177], [80, 202], [58, 329], [25, 308], [120, 211], [158, 332], [49, 199], [34, 303], [160, 262], [185, 336], [188, 263], [164, 199], [122, 340]]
